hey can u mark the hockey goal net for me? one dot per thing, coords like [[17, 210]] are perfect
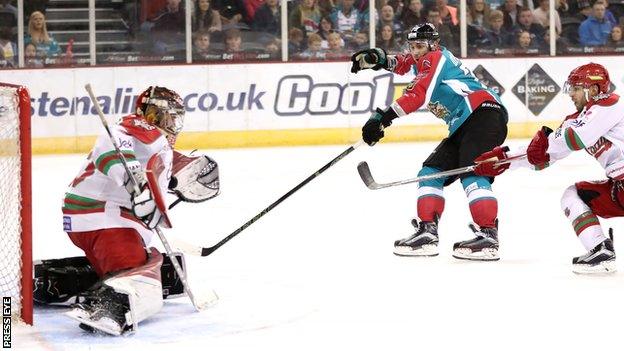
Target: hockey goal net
[[15, 203]]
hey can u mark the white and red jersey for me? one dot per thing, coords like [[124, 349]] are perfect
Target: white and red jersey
[[97, 198], [599, 129]]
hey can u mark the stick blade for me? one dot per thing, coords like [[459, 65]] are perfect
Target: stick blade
[[204, 299], [186, 248], [366, 176]]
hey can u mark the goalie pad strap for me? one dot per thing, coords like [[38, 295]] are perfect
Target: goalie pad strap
[[56, 281]]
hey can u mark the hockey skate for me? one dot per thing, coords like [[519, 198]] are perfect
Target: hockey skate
[[422, 243], [600, 259], [104, 310], [482, 248]]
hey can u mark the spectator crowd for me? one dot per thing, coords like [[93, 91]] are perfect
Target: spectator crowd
[[249, 30]]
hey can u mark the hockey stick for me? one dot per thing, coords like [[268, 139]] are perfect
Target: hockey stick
[[205, 251], [370, 182], [206, 301]]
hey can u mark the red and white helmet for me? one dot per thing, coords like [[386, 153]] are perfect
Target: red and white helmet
[[169, 116], [588, 75]]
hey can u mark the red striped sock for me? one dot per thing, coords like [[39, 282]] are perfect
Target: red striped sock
[[584, 221], [428, 206], [484, 211]]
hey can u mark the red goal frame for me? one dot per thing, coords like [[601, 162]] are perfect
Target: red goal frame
[[26, 314]]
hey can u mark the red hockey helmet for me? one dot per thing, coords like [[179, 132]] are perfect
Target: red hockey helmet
[[587, 75]]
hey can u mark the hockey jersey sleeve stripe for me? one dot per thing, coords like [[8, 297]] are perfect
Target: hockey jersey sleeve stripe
[[110, 158], [89, 170], [572, 140], [82, 201], [74, 204]]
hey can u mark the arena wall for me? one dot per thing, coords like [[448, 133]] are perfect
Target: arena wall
[[252, 105]]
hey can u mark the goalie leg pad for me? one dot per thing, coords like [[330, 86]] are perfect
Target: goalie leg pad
[[123, 300], [56, 281], [143, 287]]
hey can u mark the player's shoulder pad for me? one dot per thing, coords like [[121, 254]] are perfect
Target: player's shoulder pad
[[429, 59], [137, 127]]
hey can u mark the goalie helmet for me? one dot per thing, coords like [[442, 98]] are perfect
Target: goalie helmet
[[162, 108], [588, 75]]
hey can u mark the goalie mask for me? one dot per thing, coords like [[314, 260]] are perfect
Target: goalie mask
[[164, 109]]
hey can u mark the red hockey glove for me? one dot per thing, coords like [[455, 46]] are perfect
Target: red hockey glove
[[486, 163], [536, 151]]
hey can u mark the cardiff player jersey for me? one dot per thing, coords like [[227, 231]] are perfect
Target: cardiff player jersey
[[97, 198]]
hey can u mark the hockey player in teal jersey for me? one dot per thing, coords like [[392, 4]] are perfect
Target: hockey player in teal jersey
[[477, 122]]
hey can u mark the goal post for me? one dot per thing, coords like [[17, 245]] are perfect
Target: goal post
[[16, 276]]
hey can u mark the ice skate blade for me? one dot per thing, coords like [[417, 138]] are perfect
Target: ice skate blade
[[483, 255], [105, 324], [423, 251], [76, 313], [606, 267]]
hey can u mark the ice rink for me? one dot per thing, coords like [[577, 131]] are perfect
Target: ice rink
[[318, 273]]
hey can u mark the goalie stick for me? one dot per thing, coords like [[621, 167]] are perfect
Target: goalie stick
[[205, 251], [369, 181], [205, 300]]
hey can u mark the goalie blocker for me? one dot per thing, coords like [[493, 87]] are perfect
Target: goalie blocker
[[56, 281]]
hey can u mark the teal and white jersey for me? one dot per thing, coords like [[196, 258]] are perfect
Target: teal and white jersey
[[449, 88]]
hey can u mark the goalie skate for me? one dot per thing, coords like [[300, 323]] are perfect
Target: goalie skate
[[422, 243], [600, 259], [105, 311], [482, 248]]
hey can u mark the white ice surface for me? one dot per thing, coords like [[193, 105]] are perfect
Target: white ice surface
[[318, 273]]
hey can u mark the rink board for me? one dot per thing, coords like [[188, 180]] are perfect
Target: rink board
[[250, 105]]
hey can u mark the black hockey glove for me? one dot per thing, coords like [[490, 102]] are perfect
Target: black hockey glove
[[372, 131], [375, 59]]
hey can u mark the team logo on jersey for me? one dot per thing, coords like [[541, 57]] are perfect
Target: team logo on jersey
[[567, 212], [426, 64], [599, 147], [143, 124], [577, 122], [438, 109]]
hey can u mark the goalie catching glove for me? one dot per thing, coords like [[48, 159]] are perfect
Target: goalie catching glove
[[195, 178]]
